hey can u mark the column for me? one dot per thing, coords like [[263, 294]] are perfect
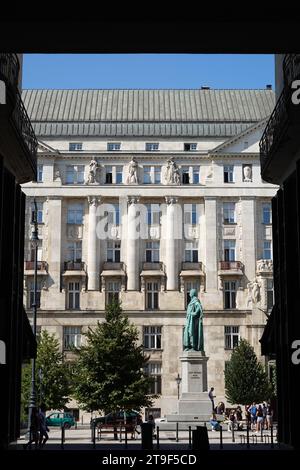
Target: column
[[247, 252], [93, 258], [171, 230], [132, 245], [210, 205], [54, 240]]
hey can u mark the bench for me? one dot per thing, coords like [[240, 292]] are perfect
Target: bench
[[116, 428]]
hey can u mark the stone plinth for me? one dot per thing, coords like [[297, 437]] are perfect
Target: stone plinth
[[194, 398]]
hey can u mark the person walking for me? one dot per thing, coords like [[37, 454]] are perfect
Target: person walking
[[259, 418], [34, 429], [269, 416], [43, 426]]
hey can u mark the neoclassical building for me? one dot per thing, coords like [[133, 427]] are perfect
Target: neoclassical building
[[143, 195]]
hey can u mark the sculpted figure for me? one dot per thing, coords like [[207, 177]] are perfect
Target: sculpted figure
[[132, 172], [193, 331], [92, 176], [247, 170]]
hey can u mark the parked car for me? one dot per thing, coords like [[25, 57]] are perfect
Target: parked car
[[60, 419], [132, 417]]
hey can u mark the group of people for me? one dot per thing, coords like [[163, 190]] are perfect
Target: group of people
[[38, 428], [259, 417]]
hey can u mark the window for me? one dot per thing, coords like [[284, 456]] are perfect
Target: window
[[147, 174], [230, 294], [113, 251], [267, 214], [38, 294], [152, 252], [188, 286], [119, 174], [229, 212], [232, 336], [75, 174], [229, 250], [228, 174], [196, 175], [157, 174], [152, 295], [270, 294], [267, 254], [75, 146], [113, 289], [190, 214], [154, 370], [75, 214], [152, 337], [108, 174], [113, 216], [185, 175], [113, 146], [191, 252], [153, 214], [39, 208], [152, 147], [74, 295], [75, 251], [72, 337], [190, 147], [40, 173]]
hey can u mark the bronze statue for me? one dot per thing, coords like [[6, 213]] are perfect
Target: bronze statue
[[193, 331]]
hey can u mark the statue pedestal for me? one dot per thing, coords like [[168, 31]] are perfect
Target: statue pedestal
[[194, 406], [194, 392]]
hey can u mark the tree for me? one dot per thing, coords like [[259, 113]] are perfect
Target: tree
[[245, 378], [52, 379], [110, 367]]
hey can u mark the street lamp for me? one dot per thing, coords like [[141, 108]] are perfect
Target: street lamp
[[178, 380], [34, 243]]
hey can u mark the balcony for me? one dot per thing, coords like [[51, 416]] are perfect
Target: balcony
[[230, 268], [18, 143], [153, 269], [113, 269], [42, 268], [191, 269], [74, 266], [281, 139]]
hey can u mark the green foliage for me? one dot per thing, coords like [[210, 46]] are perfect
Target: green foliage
[[53, 386], [109, 371], [245, 378]]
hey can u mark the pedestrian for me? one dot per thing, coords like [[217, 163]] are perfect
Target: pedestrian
[[211, 397], [43, 426], [239, 417], [151, 421], [264, 408], [270, 414], [253, 411], [259, 418], [232, 421], [34, 429], [215, 425]]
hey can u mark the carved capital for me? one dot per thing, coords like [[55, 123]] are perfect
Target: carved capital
[[94, 200], [132, 200], [171, 200]]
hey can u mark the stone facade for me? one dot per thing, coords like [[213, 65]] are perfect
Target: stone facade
[[198, 227]]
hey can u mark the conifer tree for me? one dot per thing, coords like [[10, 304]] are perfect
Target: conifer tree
[[110, 367], [245, 378]]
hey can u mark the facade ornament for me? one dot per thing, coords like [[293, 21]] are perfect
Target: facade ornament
[[57, 176], [210, 171], [94, 200], [247, 173], [172, 175], [264, 265], [254, 292], [92, 176], [132, 177], [170, 200], [133, 200]]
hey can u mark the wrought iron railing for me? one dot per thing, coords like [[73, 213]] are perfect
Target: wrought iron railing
[[291, 68], [274, 129], [9, 69], [23, 125], [191, 265], [110, 265], [149, 266]]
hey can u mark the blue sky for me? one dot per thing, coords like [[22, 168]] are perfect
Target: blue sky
[[147, 70]]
